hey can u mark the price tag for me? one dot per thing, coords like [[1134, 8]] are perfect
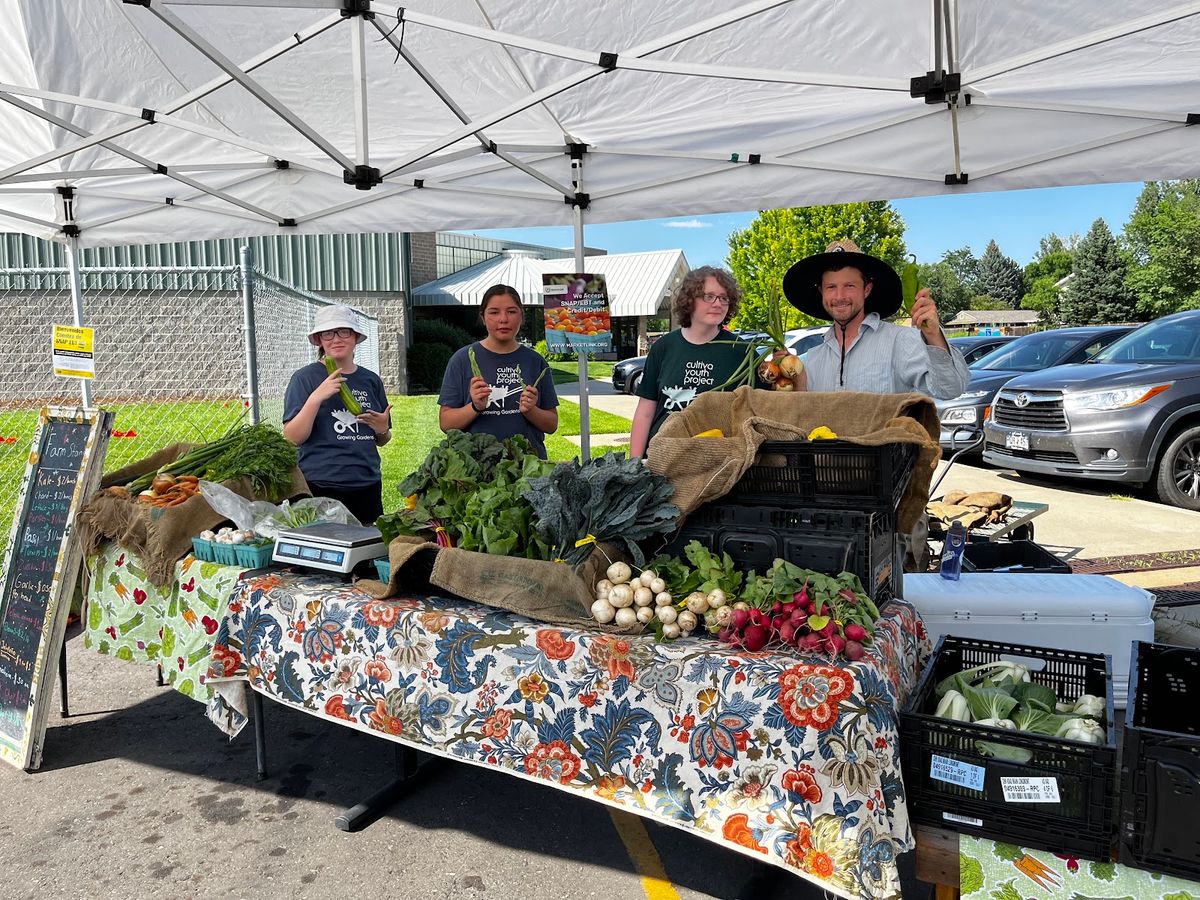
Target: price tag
[[954, 771], [962, 820], [1030, 790]]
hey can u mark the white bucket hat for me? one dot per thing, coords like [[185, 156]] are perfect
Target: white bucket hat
[[330, 317]]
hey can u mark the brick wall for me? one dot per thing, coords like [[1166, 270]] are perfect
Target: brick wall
[[423, 258]]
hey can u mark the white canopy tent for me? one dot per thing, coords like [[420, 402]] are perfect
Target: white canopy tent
[[128, 121]]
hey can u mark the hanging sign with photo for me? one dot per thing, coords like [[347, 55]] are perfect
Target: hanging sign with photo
[[577, 316]]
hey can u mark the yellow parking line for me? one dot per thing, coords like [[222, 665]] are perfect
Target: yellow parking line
[[645, 858]]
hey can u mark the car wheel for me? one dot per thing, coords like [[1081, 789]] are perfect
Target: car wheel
[[1178, 481], [635, 382]]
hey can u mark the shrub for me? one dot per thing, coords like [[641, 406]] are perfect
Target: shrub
[[436, 331], [427, 366]]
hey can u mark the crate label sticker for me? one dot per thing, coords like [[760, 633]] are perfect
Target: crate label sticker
[[962, 820], [953, 771], [1030, 790]]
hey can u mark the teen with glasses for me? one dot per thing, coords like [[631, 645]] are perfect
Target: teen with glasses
[[339, 451], [695, 358]]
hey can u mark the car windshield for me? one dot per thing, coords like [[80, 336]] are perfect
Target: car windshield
[[1173, 341], [1030, 353]]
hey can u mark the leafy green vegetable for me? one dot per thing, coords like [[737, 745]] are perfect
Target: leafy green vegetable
[[1006, 891], [988, 702], [608, 499], [1007, 852], [472, 485], [970, 874], [260, 453], [1030, 693], [1103, 871]]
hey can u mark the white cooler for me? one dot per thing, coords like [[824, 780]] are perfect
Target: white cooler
[[1093, 613]]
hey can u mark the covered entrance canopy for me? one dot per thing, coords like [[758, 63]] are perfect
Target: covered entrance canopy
[[145, 120]]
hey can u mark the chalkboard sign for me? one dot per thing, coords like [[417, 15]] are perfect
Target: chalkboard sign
[[41, 565]]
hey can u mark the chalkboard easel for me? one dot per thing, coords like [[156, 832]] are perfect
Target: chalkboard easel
[[41, 566]]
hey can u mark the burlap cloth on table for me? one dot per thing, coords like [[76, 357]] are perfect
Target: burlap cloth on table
[[703, 469], [545, 591], [159, 536]]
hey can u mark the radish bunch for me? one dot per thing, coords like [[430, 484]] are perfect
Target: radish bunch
[[626, 599], [812, 626]]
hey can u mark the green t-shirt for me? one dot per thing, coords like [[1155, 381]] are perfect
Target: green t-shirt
[[677, 371]]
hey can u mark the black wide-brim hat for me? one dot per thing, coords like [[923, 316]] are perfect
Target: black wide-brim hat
[[802, 283]]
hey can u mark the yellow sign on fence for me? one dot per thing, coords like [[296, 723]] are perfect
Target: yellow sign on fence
[[73, 352]]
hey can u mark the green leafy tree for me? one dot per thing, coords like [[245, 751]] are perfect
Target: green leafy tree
[[1000, 277], [985, 301], [1097, 294], [965, 266], [760, 254], [950, 294], [1054, 260], [1163, 241]]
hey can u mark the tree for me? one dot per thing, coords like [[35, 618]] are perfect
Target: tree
[[1097, 294], [1053, 262], [965, 266], [983, 301], [760, 254], [950, 294], [1000, 277], [1163, 241]]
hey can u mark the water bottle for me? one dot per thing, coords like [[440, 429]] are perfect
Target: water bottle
[[952, 551]]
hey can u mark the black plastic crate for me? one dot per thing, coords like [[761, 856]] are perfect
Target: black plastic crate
[[969, 792], [1160, 763], [835, 474], [1012, 556], [824, 540]]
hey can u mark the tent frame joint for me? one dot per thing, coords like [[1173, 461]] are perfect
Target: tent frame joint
[[287, 223], [1192, 119], [352, 8], [71, 230], [363, 177], [148, 115], [282, 164], [145, 3], [961, 178], [576, 150], [608, 61], [937, 86], [578, 199]]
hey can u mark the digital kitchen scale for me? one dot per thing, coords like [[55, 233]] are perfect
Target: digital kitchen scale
[[329, 546]]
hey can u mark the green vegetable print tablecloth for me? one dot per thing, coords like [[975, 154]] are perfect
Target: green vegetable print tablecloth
[[989, 870], [790, 759], [132, 619]]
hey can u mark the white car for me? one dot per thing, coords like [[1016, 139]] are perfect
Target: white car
[[800, 340]]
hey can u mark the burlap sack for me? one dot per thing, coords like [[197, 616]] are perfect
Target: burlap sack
[[159, 536], [703, 469], [544, 591]]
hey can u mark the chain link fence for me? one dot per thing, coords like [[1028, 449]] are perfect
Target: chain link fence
[[170, 354]]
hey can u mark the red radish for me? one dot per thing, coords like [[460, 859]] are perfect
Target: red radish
[[799, 617], [787, 632], [809, 643], [855, 632], [835, 644], [777, 607], [758, 617], [740, 619], [789, 607], [854, 651], [756, 637], [830, 630]]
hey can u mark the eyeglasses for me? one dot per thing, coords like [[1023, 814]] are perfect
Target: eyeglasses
[[343, 333], [715, 299]]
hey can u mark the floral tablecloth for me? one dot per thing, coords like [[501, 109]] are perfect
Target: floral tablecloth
[[790, 760], [989, 870], [132, 619]]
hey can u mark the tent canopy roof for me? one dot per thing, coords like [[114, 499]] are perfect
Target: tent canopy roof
[[638, 283], [128, 122]]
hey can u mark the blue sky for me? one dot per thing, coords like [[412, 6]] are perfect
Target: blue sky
[[1017, 220]]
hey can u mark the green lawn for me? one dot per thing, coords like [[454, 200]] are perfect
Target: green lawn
[[567, 371]]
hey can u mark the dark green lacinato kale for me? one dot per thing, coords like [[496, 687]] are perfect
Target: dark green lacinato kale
[[611, 499]]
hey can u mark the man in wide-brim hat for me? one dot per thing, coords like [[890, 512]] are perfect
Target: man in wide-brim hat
[[861, 351]]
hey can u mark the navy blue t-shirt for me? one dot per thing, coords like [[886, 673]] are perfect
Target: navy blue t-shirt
[[507, 373], [341, 450]]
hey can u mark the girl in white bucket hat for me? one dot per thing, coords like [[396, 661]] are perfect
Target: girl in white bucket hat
[[339, 447]]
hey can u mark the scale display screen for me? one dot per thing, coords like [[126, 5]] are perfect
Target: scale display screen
[[312, 554]]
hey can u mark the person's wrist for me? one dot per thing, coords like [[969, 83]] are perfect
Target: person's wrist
[[476, 408]]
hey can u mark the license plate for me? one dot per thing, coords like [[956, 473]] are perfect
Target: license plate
[[1015, 440]]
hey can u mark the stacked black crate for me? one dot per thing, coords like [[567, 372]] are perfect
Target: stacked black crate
[[826, 505]]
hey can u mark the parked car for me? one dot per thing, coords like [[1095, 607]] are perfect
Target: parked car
[[1129, 415], [627, 374], [976, 347], [963, 416]]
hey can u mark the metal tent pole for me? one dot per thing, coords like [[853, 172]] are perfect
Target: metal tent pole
[[85, 384], [249, 336], [585, 440]]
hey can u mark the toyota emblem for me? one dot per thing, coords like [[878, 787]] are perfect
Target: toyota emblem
[[1022, 400]]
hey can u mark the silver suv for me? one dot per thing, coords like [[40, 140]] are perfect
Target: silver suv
[[1131, 414]]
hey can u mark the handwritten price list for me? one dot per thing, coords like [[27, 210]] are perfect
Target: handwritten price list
[[38, 543]]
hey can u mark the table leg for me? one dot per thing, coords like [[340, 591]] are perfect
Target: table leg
[[63, 709], [260, 732], [366, 812]]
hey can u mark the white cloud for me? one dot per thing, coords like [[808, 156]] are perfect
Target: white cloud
[[688, 223]]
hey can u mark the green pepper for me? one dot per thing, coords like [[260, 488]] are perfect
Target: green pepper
[[909, 285], [348, 400], [475, 372]]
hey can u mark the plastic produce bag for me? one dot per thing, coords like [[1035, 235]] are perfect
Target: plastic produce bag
[[267, 519]]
